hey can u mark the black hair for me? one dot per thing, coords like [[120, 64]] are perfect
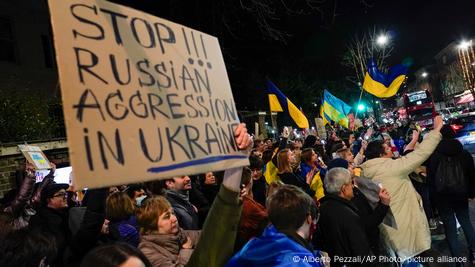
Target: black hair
[[447, 132], [113, 255], [374, 150], [26, 247], [255, 162], [267, 155], [309, 141], [133, 188]]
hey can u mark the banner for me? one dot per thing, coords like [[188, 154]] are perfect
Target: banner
[[144, 98]]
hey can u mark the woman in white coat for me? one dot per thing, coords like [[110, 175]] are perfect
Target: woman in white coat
[[412, 235]]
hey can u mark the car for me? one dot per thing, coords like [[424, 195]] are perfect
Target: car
[[464, 127]]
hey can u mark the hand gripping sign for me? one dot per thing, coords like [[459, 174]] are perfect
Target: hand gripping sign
[[144, 98]]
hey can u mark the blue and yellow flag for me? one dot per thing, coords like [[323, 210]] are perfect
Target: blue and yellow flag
[[279, 102], [384, 85], [334, 109]]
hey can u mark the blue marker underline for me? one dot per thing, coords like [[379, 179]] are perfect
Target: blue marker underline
[[194, 163]]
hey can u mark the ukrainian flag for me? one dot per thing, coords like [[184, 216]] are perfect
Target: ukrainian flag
[[384, 85], [279, 102], [334, 109]]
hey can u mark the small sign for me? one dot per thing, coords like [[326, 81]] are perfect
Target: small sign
[[35, 156]]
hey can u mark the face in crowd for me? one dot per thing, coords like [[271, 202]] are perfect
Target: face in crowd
[[210, 179], [291, 157], [347, 190], [260, 146], [181, 183], [351, 139], [256, 173], [167, 222], [59, 200], [388, 152]]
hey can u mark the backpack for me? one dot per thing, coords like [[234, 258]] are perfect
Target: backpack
[[450, 177]]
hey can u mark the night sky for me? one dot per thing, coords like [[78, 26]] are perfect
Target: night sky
[[310, 56]]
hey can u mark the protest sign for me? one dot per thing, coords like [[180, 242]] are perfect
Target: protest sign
[[35, 156], [144, 98], [321, 132]]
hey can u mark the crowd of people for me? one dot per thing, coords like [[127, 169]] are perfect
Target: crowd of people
[[354, 198]]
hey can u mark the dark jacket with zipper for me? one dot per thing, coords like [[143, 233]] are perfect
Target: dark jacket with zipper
[[187, 216]]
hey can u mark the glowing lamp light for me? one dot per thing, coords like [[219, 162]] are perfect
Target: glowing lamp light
[[464, 44], [382, 40]]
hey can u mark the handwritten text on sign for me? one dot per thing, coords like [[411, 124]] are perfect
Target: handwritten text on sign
[[144, 98]]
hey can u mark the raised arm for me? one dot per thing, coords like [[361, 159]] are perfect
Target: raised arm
[[24, 193], [413, 143], [411, 161], [219, 232]]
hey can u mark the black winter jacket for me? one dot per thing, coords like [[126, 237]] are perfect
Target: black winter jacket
[[187, 217], [340, 230], [452, 148], [370, 218]]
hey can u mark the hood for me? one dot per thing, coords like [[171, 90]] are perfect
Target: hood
[[373, 166], [449, 147], [272, 248]]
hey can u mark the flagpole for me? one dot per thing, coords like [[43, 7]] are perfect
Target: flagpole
[[359, 100]]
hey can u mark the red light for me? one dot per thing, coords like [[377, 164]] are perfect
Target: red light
[[456, 127]]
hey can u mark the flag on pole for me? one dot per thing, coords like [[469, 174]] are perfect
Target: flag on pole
[[278, 102], [384, 85], [335, 109]]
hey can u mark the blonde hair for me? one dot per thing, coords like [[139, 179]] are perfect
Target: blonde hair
[[150, 211], [119, 206], [283, 163]]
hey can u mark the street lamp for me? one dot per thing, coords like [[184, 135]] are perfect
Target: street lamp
[[361, 107], [466, 58], [382, 40], [464, 44]]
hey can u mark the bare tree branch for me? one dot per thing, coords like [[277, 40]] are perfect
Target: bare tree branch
[[361, 49]]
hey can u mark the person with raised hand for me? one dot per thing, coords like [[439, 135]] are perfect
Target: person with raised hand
[[412, 235], [219, 231]]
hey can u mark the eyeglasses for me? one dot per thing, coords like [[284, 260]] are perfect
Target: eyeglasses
[[60, 195]]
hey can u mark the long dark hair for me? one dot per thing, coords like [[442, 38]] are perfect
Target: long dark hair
[[113, 255]]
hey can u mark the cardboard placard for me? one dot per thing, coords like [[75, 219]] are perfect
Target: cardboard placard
[[322, 133], [144, 98], [35, 156]]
